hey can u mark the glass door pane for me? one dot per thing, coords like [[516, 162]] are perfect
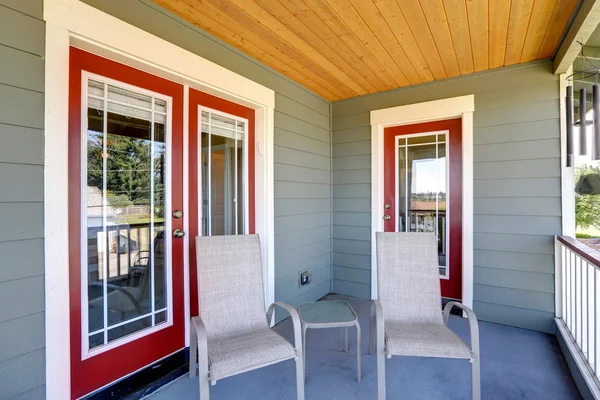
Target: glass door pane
[[126, 192], [422, 192], [223, 174]]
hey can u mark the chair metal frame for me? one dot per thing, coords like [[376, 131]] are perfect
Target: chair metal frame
[[378, 345]]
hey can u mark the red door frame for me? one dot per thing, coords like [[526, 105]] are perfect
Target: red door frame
[[196, 99], [103, 368], [451, 288]]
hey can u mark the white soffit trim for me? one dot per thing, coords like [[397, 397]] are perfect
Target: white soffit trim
[[436, 110], [148, 52], [71, 22]]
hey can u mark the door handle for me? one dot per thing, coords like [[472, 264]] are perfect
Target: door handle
[[178, 233], [387, 217]]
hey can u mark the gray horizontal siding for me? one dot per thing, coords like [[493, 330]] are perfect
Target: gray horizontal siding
[[39, 392], [302, 150], [16, 138], [21, 372], [517, 202], [27, 254], [22, 353], [27, 329]]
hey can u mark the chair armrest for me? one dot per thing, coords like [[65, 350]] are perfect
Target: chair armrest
[[295, 321], [198, 341], [376, 334], [199, 328], [473, 324]]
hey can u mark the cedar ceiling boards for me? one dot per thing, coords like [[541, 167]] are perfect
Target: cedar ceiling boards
[[347, 48]]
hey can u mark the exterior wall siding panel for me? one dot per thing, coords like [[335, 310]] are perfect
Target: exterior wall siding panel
[[516, 189], [22, 354], [302, 150]]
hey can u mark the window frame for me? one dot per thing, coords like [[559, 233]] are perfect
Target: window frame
[[86, 352], [246, 176]]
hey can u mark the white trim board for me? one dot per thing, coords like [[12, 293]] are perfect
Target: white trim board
[[567, 173], [73, 23], [456, 107]]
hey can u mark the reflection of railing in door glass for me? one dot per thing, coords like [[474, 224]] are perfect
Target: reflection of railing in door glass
[[126, 185]]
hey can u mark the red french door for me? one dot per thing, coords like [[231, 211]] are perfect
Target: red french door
[[423, 190], [126, 184], [221, 173]]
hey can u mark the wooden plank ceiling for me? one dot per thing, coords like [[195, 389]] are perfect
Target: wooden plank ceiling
[[347, 48]]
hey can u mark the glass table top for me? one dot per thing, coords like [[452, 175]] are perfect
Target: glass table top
[[323, 312]]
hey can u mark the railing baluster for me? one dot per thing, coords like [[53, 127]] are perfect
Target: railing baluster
[[577, 289], [573, 295], [128, 248], [595, 337], [580, 313], [118, 251], [580, 304], [568, 286], [576, 331], [587, 309], [573, 292], [107, 254], [563, 253]]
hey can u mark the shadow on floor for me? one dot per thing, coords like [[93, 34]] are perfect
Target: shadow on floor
[[515, 364]]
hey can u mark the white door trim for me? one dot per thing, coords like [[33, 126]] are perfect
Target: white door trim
[[71, 22], [456, 107]]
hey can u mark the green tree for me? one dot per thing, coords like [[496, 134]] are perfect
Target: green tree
[[587, 206], [128, 161]]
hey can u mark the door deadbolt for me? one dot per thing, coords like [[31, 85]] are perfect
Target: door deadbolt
[[177, 214], [387, 206], [178, 233]]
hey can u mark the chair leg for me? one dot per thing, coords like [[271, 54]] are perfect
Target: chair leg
[[193, 350], [300, 377], [358, 351], [304, 353], [345, 339], [199, 342], [380, 373], [476, 378], [203, 375], [373, 332]]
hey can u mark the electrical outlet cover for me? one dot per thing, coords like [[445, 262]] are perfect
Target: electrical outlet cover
[[303, 278]]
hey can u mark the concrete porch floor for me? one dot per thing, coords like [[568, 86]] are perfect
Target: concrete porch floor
[[515, 364]]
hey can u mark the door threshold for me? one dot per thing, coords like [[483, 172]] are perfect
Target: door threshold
[[147, 380]]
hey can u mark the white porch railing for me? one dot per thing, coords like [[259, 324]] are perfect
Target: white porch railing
[[577, 288]]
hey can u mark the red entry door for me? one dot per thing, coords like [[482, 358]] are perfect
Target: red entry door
[[222, 171], [423, 190], [126, 184]]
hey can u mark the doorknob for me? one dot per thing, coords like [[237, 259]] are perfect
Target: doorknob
[[387, 217], [178, 233]]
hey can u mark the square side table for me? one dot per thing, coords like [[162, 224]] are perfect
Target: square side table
[[330, 314]]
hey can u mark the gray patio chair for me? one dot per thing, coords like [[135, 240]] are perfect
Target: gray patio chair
[[406, 319], [232, 333]]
